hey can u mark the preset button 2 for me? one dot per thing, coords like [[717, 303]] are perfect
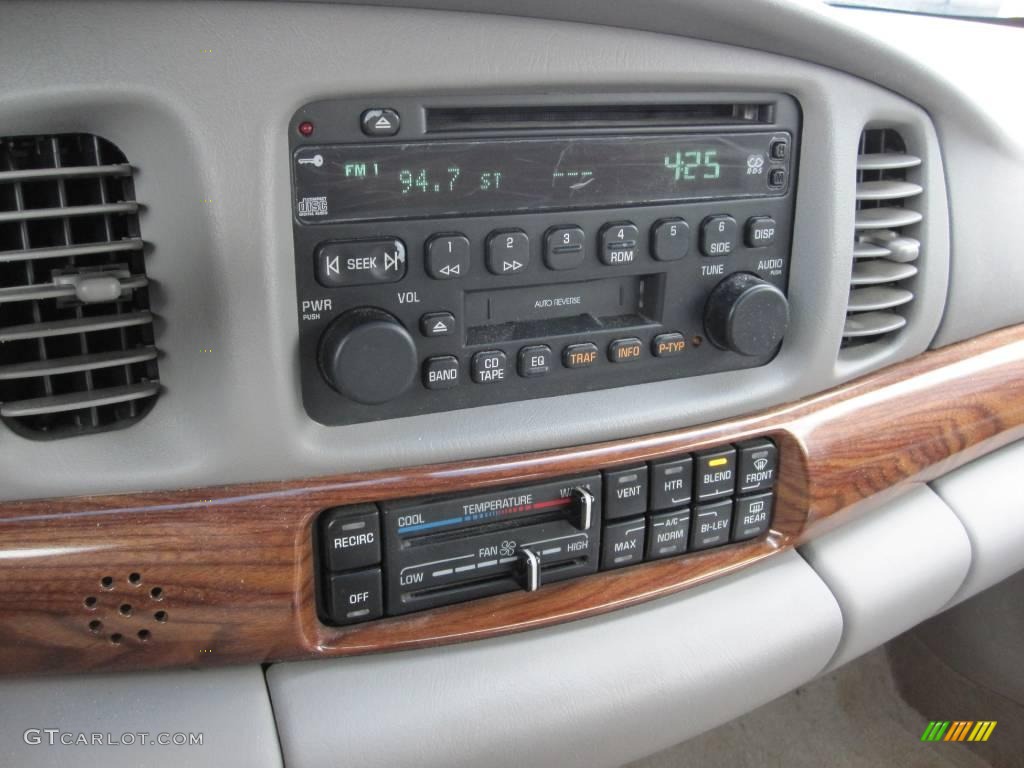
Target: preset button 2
[[508, 253]]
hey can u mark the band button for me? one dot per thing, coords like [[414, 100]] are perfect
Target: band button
[[441, 372], [668, 344], [625, 350], [579, 355]]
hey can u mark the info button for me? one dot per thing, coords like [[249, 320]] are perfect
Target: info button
[[360, 262]]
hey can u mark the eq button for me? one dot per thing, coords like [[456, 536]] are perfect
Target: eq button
[[625, 350], [535, 360], [579, 355]]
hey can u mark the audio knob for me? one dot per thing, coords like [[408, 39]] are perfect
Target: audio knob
[[746, 314], [368, 356]]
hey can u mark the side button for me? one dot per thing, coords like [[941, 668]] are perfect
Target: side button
[[355, 597]]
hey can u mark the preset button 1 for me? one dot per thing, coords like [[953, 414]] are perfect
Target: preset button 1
[[447, 256]]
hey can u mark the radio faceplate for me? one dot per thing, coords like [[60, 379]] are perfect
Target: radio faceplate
[[403, 316]]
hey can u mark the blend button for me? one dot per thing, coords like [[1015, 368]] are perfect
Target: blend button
[[716, 473], [441, 372], [360, 262], [490, 366], [579, 355], [668, 344]]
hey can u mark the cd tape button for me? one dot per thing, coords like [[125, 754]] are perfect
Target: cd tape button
[[490, 366]]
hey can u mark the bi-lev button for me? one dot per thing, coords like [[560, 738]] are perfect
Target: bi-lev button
[[360, 262]]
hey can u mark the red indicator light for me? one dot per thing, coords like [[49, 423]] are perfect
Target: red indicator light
[[306, 128]]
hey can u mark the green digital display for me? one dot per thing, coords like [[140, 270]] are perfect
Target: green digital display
[[388, 180]]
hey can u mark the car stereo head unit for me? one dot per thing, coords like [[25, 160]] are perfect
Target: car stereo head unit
[[451, 254]]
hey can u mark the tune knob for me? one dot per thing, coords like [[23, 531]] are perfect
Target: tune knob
[[368, 356], [746, 314]]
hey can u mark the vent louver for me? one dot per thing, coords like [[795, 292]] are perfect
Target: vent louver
[[885, 246], [76, 333]]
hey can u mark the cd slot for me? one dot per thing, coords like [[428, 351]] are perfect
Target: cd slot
[[519, 118]]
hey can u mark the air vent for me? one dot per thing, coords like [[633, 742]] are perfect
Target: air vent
[[76, 333], [886, 244]]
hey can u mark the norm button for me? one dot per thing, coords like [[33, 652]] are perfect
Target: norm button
[[508, 253], [360, 262], [490, 366], [351, 537], [619, 244], [447, 256], [625, 492]]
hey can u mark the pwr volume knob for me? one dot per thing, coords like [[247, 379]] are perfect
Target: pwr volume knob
[[746, 314], [368, 356]]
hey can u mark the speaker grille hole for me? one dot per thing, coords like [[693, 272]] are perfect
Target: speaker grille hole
[[156, 593], [160, 616], [125, 610], [135, 578], [116, 638], [144, 635], [95, 626], [89, 602], [107, 582]]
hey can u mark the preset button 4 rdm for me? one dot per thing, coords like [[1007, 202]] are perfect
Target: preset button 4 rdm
[[495, 267]]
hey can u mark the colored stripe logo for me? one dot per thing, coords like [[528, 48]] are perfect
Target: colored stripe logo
[[958, 730]]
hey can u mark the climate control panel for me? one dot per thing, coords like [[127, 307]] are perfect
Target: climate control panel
[[403, 556]]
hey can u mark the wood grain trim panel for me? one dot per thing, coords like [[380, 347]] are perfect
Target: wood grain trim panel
[[233, 567]]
